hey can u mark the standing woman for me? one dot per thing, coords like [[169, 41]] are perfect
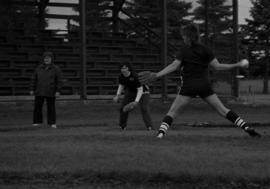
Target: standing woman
[[194, 58], [134, 93], [46, 84]]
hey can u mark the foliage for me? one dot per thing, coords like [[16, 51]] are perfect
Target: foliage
[[14, 15], [219, 16], [149, 12], [97, 15], [220, 27], [256, 33]]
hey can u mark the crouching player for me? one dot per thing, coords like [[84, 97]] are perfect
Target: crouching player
[[134, 93], [194, 59]]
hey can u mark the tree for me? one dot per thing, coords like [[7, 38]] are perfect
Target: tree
[[18, 14], [149, 13], [257, 31], [178, 12], [219, 17], [41, 14], [97, 15], [146, 12]]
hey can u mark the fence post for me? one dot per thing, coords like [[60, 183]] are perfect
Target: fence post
[[235, 86], [83, 54], [164, 48]]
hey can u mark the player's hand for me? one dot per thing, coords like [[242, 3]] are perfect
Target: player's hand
[[244, 63], [31, 93], [116, 98], [57, 94], [135, 103], [129, 107], [147, 77]]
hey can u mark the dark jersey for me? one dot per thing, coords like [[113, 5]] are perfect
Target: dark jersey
[[132, 82], [46, 80], [195, 60]]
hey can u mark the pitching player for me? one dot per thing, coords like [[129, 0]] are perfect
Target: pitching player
[[194, 59], [134, 93]]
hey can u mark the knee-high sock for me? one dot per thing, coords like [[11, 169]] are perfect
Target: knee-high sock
[[166, 123], [237, 120]]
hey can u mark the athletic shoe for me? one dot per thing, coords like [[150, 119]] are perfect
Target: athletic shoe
[[160, 134], [36, 124], [149, 128], [123, 128], [252, 132], [54, 126]]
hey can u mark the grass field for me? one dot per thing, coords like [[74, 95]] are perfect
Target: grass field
[[90, 151]]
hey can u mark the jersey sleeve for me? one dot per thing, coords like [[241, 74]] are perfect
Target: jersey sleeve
[[120, 80], [136, 81], [180, 54]]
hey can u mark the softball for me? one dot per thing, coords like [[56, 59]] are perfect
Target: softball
[[239, 76], [244, 63]]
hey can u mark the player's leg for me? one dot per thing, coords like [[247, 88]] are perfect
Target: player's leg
[[179, 102], [37, 114], [128, 97], [144, 105], [215, 102], [51, 112]]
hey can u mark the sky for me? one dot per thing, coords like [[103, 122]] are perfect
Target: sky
[[60, 23], [243, 9]]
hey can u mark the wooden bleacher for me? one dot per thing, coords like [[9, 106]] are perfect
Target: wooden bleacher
[[21, 52]]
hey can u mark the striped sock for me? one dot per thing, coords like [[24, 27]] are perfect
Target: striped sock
[[238, 121], [166, 123]]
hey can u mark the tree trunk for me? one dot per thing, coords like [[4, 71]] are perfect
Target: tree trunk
[[42, 6], [116, 9]]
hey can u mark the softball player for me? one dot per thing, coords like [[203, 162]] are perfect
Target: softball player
[[134, 93], [194, 59]]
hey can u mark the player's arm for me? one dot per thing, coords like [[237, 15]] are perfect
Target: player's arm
[[168, 69], [130, 106], [219, 66], [59, 81], [33, 82], [118, 92], [139, 94], [148, 77]]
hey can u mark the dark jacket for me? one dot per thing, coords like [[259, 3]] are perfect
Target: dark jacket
[[46, 80]]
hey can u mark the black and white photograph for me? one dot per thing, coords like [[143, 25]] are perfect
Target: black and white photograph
[[134, 94]]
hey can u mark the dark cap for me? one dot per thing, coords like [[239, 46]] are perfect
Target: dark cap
[[48, 53]]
